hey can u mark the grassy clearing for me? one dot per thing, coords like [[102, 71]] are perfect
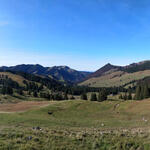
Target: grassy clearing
[[14, 77]]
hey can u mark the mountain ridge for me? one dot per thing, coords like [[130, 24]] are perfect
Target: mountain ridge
[[111, 75], [66, 74], [62, 73]]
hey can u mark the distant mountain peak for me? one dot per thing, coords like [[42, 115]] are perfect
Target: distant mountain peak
[[38, 65], [108, 64], [109, 72], [103, 70]]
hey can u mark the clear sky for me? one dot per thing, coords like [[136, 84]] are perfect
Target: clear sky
[[82, 34]]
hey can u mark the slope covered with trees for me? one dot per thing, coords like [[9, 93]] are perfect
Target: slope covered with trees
[[61, 73], [29, 85], [33, 86]]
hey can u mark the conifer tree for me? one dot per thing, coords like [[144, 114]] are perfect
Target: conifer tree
[[125, 96], [138, 93], [3, 90], [142, 93], [66, 96], [20, 91], [29, 92], [146, 93], [99, 97], [102, 96], [35, 94], [93, 97], [130, 96], [9, 90], [120, 96], [84, 96], [58, 96]]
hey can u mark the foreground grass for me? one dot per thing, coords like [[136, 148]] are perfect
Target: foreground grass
[[112, 125], [50, 139]]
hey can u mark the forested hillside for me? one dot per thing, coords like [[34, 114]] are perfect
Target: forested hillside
[[61, 73]]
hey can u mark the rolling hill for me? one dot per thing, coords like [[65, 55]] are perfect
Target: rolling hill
[[61, 73], [110, 75]]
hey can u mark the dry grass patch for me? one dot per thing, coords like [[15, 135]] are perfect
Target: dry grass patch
[[14, 77], [117, 78], [22, 106]]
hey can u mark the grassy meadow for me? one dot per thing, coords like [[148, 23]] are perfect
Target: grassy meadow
[[77, 125], [117, 78]]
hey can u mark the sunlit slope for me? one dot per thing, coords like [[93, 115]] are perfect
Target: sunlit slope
[[117, 78], [19, 79]]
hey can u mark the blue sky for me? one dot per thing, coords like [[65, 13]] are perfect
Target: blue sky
[[82, 34]]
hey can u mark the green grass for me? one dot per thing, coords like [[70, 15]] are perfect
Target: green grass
[[47, 139], [83, 114], [78, 125]]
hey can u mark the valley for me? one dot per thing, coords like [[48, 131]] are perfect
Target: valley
[[108, 110], [74, 75]]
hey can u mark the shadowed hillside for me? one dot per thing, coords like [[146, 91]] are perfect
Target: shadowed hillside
[[62, 73]]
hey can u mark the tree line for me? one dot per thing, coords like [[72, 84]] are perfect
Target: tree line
[[50, 89], [101, 96], [142, 92]]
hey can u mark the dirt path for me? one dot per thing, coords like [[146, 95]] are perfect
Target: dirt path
[[22, 106], [116, 106]]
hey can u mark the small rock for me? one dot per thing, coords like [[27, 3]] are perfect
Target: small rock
[[37, 128], [79, 136], [50, 113], [29, 138], [36, 140], [102, 125]]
